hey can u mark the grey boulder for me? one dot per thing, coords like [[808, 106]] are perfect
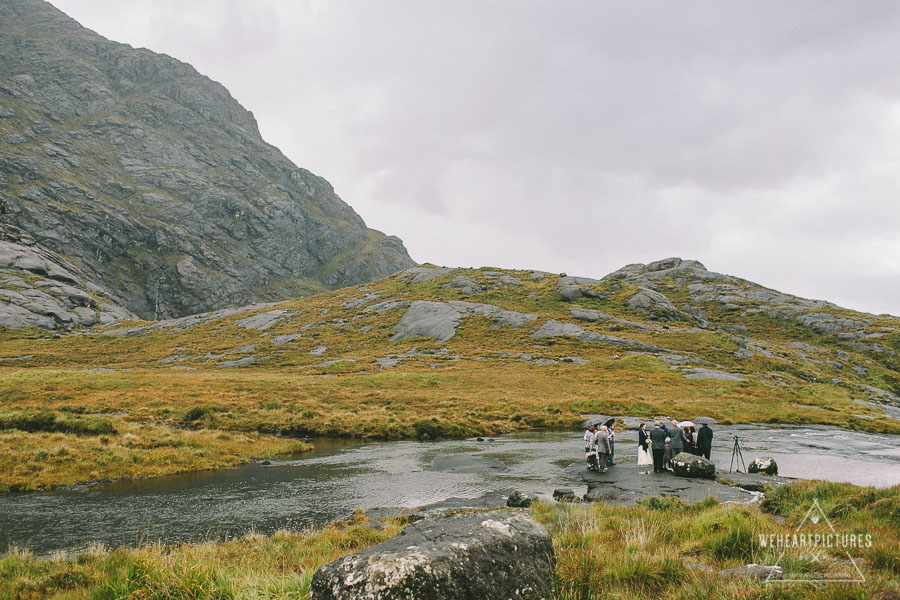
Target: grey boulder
[[519, 499], [690, 465], [483, 556], [763, 464]]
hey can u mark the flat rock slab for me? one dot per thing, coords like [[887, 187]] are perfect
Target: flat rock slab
[[466, 463], [493, 555], [754, 482], [628, 483]]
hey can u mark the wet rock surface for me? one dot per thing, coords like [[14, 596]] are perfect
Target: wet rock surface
[[482, 556], [628, 483]]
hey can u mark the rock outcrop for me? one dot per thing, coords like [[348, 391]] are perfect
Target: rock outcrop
[[40, 288], [154, 180], [482, 556]]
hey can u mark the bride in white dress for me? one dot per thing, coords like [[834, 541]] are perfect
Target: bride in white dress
[[645, 457]]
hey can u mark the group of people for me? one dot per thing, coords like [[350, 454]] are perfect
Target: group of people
[[599, 447], [660, 444], [656, 447]]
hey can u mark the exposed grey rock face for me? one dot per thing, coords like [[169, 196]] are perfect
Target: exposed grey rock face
[[690, 465], [553, 328], [423, 274], [40, 288], [494, 555], [571, 293], [262, 321], [592, 316], [440, 319], [427, 319], [655, 305], [700, 373], [155, 181]]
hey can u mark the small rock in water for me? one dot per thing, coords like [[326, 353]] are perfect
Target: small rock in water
[[519, 499], [763, 464], [564, 495]]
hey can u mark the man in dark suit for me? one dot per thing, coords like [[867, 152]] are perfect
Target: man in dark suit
[[658, 446], [704, 440], [677, 435]]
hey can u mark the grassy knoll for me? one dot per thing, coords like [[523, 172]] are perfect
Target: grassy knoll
[[659, 548]]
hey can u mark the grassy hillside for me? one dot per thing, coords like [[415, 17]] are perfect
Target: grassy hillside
[[445, 353]]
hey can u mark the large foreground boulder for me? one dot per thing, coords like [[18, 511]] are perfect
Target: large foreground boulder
[[691, 465], [483, 556]]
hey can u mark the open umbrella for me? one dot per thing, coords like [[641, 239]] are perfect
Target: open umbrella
[[596, 421], [610, 422], [684, 424], [705, 421]]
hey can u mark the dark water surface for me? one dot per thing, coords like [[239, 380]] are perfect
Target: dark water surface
[[330, 482]]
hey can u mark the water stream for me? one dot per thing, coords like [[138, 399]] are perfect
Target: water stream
[[329, 483]]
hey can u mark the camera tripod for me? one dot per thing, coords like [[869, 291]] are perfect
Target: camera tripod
[[736, 455]]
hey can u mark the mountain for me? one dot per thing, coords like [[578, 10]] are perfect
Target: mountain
[[152, 179]]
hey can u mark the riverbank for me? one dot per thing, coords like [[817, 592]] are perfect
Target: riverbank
[[661, 546]]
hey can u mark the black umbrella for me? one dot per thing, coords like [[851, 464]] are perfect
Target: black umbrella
[[704, 421], [610, 422], [597, 421]]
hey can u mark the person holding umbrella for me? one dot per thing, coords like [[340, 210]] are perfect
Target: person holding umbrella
[[612, 442], [590, 447], [704, 436]]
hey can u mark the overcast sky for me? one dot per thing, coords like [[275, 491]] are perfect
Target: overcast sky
[[761, 138]]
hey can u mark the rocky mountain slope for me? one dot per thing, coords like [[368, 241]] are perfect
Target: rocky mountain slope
[[153, 179]]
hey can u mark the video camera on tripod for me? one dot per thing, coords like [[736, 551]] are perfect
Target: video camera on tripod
[[737, 455]]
